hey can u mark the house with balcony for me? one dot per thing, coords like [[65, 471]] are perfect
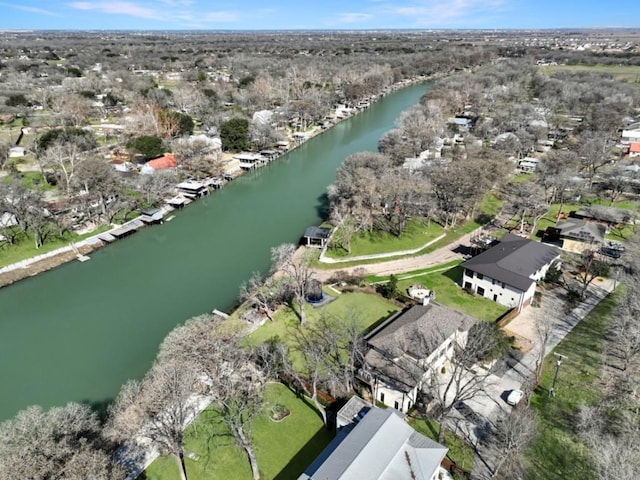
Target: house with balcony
[[408, 347]]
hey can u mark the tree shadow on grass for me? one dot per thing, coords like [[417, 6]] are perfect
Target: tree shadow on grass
[[305, 456]]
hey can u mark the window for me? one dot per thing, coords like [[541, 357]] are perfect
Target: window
[[480, 291], [467, 285], [396, 405], [480, 276], [382, 397]]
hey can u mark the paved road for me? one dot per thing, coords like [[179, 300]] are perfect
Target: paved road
[[491, 409], [437, 257]]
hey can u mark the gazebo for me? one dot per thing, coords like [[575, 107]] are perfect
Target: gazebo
[[316, 236]]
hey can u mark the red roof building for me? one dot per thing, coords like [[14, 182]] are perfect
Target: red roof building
[[168, 160]]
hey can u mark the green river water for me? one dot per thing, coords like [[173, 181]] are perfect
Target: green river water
[[78, 332]]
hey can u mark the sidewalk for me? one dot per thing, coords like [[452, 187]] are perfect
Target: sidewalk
[[484, 461]]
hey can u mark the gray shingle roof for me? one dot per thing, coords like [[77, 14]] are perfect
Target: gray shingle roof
[[317, 232], [398, 343], [581, 230], [377, 448], [513, 261]]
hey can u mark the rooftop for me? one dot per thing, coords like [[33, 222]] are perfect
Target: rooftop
[[381, 446], [400, 342], [513, 261]]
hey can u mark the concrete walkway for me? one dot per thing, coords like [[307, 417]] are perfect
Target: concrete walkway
[[440, 256], [374, 256]]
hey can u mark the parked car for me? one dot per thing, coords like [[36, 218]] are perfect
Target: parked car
[[514, 397]]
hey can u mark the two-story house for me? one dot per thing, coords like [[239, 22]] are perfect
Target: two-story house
[[406, 348], [507, 273]]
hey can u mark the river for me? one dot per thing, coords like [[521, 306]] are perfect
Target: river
[[77, 333]]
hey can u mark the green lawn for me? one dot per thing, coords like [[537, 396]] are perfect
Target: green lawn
[[34, 181], [25, 246], [413, 273], [460, 451], [449, 293], [370, 309], [557, 453], [487, 209], [418, 232], [284, 449]]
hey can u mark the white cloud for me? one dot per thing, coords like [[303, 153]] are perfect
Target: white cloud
[[354, 17], [119, 8], [26, 8]]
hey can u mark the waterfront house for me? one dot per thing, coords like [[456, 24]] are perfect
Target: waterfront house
[[381, 446], [507, 272], [407, 348]]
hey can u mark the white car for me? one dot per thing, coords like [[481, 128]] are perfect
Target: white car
[[514, 397]]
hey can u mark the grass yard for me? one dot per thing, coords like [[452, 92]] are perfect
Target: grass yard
[[488, 209], [417, 233], [25, 247], [557, 453], [460, 451], [284, 449], [414, 273], [449, 293], [370, 309]]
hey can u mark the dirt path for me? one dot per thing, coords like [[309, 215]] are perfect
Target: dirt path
[[442, 255]]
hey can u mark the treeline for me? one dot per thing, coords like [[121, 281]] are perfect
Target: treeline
[[570, 121]]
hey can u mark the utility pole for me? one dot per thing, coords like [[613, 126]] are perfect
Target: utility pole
[[561, 357]]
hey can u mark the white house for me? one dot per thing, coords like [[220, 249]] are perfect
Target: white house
[[16, 152], [406, 348], [380, 446], [629, 136], [507, 273]]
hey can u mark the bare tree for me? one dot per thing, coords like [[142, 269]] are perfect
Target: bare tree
[[157, 410], [63, 442], [458, 383], [528, 201], [591, 267], [213, 349], [264, 293], [625, 329], [296, 270], [511, 437], [64, 158]]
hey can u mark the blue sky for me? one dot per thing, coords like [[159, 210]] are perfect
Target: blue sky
[[315, 14]]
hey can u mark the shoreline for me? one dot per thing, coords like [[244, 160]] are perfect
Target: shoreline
[[38, 264]]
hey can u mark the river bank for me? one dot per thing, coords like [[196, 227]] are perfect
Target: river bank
[[41, 263], [80, 331]]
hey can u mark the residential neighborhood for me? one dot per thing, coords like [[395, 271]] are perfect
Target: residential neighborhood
[[319, 255]]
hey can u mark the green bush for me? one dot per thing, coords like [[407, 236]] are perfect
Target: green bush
[[149, 146], [234, 134]]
